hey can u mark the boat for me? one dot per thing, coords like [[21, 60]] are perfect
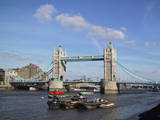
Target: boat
[[86, 93], [96, 90], [107, 105], [87, 105], [75, 98], [54, 99], [53, 102], [71, 103], [78, 90], [98, 103], [56, 93], [41, 97], [155, 89], [68, 104]]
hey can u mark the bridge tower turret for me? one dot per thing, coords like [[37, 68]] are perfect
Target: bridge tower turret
[[59, 69], [109, 84]]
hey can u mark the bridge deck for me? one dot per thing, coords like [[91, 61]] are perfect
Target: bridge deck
[[82, 58], [27, 82]]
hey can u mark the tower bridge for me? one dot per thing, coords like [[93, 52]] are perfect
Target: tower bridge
[[60, 60], [110, 83]]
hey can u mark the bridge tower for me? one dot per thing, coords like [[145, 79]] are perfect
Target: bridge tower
[[109, 84], [59, 70], [59, 67]]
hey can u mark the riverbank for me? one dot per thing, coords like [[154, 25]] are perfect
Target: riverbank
[[153, 114]]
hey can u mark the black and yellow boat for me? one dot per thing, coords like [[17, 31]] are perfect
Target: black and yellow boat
[[53, 102]]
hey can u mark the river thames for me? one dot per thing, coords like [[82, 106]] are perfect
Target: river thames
[[27, 105]]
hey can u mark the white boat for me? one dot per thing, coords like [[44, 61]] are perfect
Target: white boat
[[107, 105], [79, 89], [96, 90], [86, 93]]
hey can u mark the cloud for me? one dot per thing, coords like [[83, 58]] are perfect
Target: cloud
[[78, 23], [149, 8], [103, 34], [152, 44], [147, 44], [139, 59], [157, 53], [123, 28], [11, 55], [130, 42], [44, 13]]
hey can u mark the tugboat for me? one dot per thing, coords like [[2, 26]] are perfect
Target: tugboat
[[54, 101]]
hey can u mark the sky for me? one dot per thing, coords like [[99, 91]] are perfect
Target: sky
[[31, 29]]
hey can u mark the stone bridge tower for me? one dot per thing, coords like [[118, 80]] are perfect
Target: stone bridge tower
[[59, 67], [59, 70], [109, 84]]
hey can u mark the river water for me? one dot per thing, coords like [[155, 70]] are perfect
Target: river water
[[27, 105]]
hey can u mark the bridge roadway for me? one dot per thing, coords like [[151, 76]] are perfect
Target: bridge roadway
[[71, 82], [28, 84], [44, 82]]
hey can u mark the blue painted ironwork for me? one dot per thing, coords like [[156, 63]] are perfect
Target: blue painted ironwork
[[82, 58], [38, 77], [35, 79], [139, 77], [72, 82]]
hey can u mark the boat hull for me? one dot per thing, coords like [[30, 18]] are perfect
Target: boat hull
[[107, 105], [87, 106], [52, 105]]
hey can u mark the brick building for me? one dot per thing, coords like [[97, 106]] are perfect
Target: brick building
[[2, 77], [28, 71]]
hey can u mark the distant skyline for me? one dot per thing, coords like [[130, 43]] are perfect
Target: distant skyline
[[31, 30]]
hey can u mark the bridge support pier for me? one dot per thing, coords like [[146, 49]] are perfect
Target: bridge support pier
[[56, 85], [110, 87]]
